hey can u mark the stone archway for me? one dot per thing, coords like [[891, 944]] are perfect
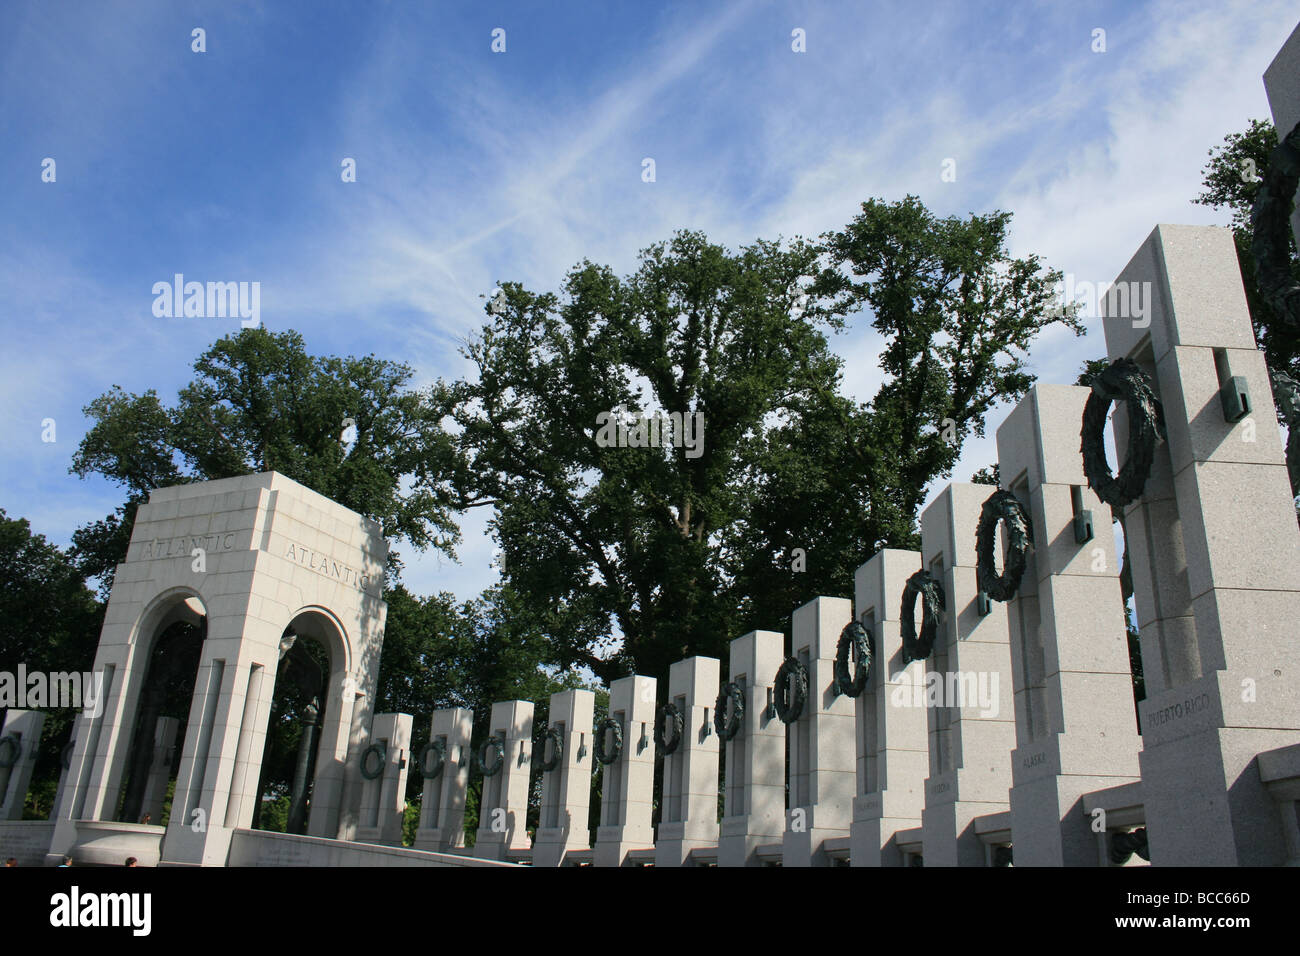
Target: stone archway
[[258, 554]]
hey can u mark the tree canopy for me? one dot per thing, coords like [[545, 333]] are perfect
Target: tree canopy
[[679, 551], [260, 402], [50, 622], [1232, 178]]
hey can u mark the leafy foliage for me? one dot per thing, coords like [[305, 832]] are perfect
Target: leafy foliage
[[1232, 177], [49, 621], [677, 553], [593, 534], [260, 402]]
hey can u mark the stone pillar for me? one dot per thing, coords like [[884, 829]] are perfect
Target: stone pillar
[[160, 768], [893, 754], [335, 811], [1076, 729], [100, 741], [65, 766], [1282, 83], [383, 798], [566, 790], [216, 780], [968, 688], [822, 773], [442, 806], [503, 806], [755, 758], [22, 733], [689, 806], [627, 784], [1216, 561]]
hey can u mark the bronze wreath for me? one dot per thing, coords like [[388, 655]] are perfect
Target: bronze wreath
[[376, 749], [609, 723], [857, 639], [728, 727], [557, 749], [439, 748], [495, 744], [1005, 507], [1121, 380], [791, 690], [931, 592], [669, 716]]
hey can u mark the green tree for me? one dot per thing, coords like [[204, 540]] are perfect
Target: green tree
[[348, 428], [410, 822], [956, 316], [470, 656], [591, 534], [677, 551], [260, 402], [419, 669], [49, 621], [274, 815], [1231, 179]]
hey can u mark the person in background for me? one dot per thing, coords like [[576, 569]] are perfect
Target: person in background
[[130, 861]]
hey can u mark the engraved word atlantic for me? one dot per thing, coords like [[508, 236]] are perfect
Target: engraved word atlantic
[[314, 561], [183, 545]]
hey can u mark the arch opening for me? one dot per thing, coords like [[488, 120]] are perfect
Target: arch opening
[[174, 633], [310, 662]]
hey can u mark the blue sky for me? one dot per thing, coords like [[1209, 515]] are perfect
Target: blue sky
[[475, 167]]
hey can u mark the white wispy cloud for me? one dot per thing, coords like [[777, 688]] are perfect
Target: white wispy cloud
[[468, 176]]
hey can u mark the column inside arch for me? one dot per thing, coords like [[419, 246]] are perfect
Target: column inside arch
[[293, 733], [162, 712]]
